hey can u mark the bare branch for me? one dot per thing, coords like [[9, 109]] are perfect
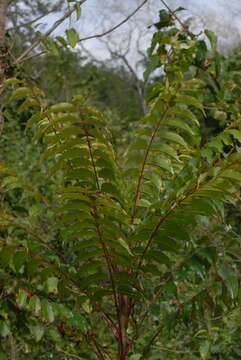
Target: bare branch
[[136, 82], [90, 55], [96, 36], [13, 28], [175, 17]]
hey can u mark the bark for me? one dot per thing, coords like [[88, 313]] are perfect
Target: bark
[[125, 311], [3, 12]]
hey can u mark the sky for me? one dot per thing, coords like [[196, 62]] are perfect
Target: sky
[[221, 16]]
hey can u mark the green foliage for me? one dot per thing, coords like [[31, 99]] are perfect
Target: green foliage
[[132, 257], [109, 90]]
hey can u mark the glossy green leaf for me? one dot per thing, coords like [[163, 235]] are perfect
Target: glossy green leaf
[[72, 37]]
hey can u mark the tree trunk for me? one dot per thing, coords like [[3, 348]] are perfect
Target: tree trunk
[[125, 311], [3, 13]]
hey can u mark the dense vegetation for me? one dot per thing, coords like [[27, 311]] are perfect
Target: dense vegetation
[[119, 230]]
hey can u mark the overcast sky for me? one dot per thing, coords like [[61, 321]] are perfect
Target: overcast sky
[[221, 16]]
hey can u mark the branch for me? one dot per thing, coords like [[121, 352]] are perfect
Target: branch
[[178, 202], [96, 36], [126, 62], [161, 221], [105, 249], [89, 55], [98, 349], [48, 32], [92, 158], [174, 15], [163, 281], [147, 348], [69, 354], [29, 22], [140, 179], [136, 84]]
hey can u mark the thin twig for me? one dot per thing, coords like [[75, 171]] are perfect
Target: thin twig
[[92, 158], [140, 179], [174, 15], [70, 354], [98, 349], [153, 339], [13, 28], [107, 32]]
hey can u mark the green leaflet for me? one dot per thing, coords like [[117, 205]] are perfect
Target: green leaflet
[[75, 205], [34, 305], [185, 114], [75, 152], [57, 137], [173, 137], [180, 125], [158, 256], [189, 100], [165, 149], [78, 11], [140, 144], [51, 285], [162, 164], [90, 268], [202, 206], [21, 299], [37, 331], [78, 322], [80, 174], [212, 38], [20, 92], [61, 108], [29, 104], [72, 37], [12, 81], [166, 242], [236, 134], [230, 279], [4, 329], [110, 189], [232, 175], [47, 312], [60, 148], [125, 246]]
